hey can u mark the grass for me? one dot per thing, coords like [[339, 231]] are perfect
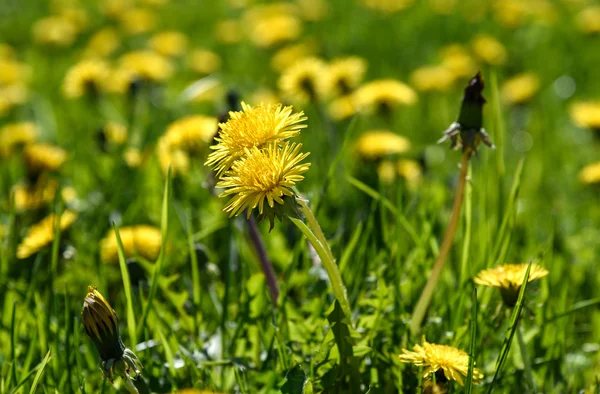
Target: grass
[[200, 315]]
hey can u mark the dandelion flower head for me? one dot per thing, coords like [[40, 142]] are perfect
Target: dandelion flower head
[[42, 157], [508, 278], [169, 43], [590, 174], [14, 135], [306, 80], [143, 240], [86, 77], [377, 143], [42, 234], [346, 73], [436, 78], [520, 88], [489, 50], [384, 94], [586, 114]]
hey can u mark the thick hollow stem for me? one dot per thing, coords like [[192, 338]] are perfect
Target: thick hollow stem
[[265, 263], [427, 294], [315, 236]]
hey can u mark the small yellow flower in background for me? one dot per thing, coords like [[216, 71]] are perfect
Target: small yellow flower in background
[[77, 16], [386, 171], [586, 114], [169, 43], [383, 95], [11, 96], [252, 127], [140, 240], [508, 278], [520, 88], [267, 174], [456, 58], [411, 171], [54, 31], [346, 74], [204, 61], [114, 8], [445, 362], [313, 10], [273, 30], [6, 51], [87, 77], [40, 157], [41, 234], [115, 133], [588, 20], [228, 31], [28, 197], [264, 96], [489, 50], [378, 143], [133, 157], [590, 174], [288, 55], [387, 6], [432, 79], [147, 65], [103, 43], [137, 20], [13, 72], [15, 135], [307, 80], [342, 107]]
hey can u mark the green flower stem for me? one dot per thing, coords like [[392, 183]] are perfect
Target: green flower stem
[[525, 357], [315, 236], [434, 277]]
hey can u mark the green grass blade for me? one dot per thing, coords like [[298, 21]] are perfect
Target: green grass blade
[[196, 289], [39, 373], [164, 229], [469, 380], [514, 322], [349, 251], [126, 286], [168, 353]]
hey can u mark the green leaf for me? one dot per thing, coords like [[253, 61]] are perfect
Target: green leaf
[[127, 286], [39, 373], [295, 381], [469, 381]]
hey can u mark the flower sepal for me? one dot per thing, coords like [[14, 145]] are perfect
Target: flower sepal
[[289, 208]]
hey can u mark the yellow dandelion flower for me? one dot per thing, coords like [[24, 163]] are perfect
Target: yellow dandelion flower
[[305, 81], [103, 43], [383, 94], [115, 8], [387, 6], [42, 234], [267, 174], [137, 20], [133, 157], [77, 16], [169, 43], [411, 171], [342, 107], [586, 114], [87, 77], [54, 31], [313, 10], [28, 197], [228, 31], [273, 30], [446, 362], [147, 65], [588, 20], [178, 159], [203, 61], [432, 79], [140, 240], [11, 96], [101, 324], [6, 51], [520, 88], [386, 171], [378, 143], [590, 174], [253, 127], [13, 72], [457, 59], [288, 55], [508, 278], [489, 50], [42, 157], [346, 74], [15, 135], [115, 133]]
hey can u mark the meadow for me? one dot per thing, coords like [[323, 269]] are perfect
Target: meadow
[[256, 197]]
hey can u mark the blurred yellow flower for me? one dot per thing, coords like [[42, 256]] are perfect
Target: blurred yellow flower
[[489, 50], [453, 362], [147, 65], [378, 143], [306, 80], [204, 61], [103, 43], [6, 51], [115, 133], [254, 126], [383, 94], [268, 174], [87, 77], [28, 197], [432, 79], [12, 95], [54, 31], [313, 10], [169, 43], [342, 107], [386, 171], [288, 55], [142, 240], [590, 174], [586, 114], [273, 30], [520, 88], [15, 135], [137, 20], [457, 59], [41, 157], [229, 31], [410, 170], [13, 72], [77, 16], [42, 234], [588, 20], [133, 157], [388, 6], [346, 74], [115, 8], [508, 278]]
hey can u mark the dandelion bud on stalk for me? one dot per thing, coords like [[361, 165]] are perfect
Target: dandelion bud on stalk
[[101, 325]]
